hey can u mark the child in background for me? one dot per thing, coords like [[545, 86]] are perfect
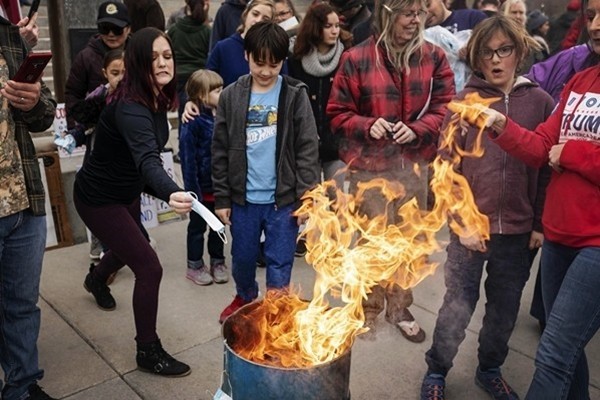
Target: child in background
[[510, 194], [203, 88], [87, 113], [265, 156]]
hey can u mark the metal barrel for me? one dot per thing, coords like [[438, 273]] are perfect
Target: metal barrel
[[247, 380]]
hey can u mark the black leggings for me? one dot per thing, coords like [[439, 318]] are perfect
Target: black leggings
[[117, 225]]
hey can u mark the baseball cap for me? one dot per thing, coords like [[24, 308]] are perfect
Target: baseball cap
[[114, 13]]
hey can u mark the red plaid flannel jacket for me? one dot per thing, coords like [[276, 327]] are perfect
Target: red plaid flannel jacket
[[364, 90]]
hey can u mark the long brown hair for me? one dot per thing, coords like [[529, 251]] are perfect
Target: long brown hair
[[310, 33], [138, 84]]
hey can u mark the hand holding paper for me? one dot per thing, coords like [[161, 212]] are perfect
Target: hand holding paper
[[476, 111]]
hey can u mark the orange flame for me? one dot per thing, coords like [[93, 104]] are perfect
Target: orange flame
[[289, 332]]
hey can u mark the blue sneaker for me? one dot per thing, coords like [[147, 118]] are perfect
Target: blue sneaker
[[492, 382], [433, 387]]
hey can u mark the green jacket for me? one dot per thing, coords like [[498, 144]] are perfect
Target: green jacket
[[190, 41]]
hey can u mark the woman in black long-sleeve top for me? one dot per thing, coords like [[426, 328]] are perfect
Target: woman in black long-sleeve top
[[125, 161]]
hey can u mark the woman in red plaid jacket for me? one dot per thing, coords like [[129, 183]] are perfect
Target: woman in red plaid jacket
[[387, 102]]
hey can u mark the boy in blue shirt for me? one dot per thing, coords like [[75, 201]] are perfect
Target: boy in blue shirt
[[264, 158]]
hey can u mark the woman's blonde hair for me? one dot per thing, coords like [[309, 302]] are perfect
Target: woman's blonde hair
[[251, 4], [484, 31], [505, 7], [386, 12], [200, 84]]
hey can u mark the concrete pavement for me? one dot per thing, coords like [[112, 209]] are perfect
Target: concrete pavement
[[90, 354]]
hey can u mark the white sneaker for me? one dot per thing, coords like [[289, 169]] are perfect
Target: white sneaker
[[200, 276]]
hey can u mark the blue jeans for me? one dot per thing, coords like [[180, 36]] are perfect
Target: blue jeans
[[570, 282], [195, 239], [22, 244], [508, 270], [280, 229]]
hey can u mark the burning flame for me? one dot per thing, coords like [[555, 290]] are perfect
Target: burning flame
[[352, 253]]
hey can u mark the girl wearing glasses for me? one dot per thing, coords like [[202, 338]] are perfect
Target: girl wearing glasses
[[569, 142], [387, 104], [511, 195]]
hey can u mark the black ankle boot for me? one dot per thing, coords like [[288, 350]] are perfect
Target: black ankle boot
[[100, 291], [153, 358]]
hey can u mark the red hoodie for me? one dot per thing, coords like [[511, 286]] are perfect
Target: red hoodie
[[572, 209]]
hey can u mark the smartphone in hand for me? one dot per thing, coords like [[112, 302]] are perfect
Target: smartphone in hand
[[33, 66]]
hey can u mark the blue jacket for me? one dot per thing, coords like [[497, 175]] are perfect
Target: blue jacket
[[227, 59], [194, 151], [226, 21]]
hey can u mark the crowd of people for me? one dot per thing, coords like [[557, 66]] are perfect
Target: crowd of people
[[271, 103]]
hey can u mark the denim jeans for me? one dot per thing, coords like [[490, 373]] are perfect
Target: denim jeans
[[508, 270], [280, 229], [570, 281], [22, 244], [195, 239]]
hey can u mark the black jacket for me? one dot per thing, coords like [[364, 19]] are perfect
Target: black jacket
[[318, 94]]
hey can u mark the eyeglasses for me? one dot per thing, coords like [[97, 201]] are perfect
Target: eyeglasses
[[283, 13], [104, 28], [502, 52], [414, 14]]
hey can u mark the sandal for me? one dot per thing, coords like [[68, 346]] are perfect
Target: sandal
[[371, 334], [411, 331]]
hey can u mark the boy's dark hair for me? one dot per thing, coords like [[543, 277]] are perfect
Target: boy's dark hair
[[267, 41]]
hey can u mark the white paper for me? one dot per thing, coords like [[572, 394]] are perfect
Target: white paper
[[210, 218], [289, 23]]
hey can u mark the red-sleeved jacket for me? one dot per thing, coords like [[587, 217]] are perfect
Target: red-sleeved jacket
[[572, 209], [572, 37], [367, 87]]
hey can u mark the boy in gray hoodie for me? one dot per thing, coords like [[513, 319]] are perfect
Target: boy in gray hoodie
[[264, 158]]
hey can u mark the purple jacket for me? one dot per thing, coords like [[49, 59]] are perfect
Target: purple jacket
[[509, 192], [553, 73]]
